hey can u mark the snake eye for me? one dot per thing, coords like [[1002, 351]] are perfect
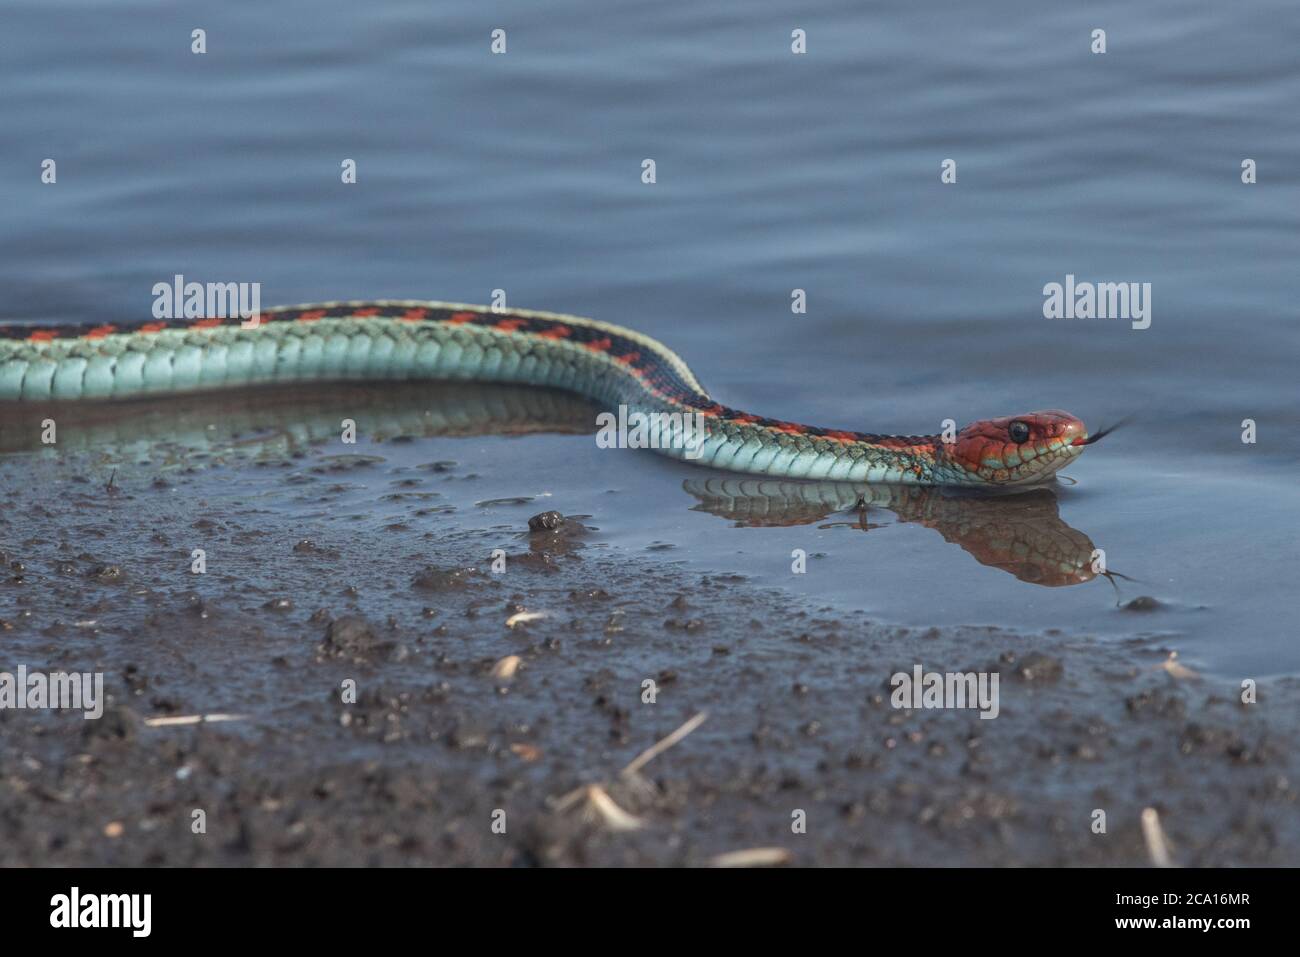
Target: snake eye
[[1019, 432]]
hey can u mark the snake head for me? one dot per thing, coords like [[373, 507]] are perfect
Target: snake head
[[1018, 449]]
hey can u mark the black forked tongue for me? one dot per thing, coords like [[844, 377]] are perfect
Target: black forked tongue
[[1098, 436]]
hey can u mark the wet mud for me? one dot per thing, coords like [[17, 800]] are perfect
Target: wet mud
[[500, 651]]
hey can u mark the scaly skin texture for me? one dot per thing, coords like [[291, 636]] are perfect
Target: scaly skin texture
[[389, 339]]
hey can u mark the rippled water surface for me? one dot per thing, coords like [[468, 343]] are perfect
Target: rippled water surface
[[821, 172]]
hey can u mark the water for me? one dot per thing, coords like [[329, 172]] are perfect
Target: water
[[523, 172]]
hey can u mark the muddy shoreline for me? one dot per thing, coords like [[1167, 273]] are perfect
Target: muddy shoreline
[[443, 737]]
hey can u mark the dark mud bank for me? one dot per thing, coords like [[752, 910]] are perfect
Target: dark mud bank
[[488, 700]]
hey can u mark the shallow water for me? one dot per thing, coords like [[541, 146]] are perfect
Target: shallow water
[[775, 172]]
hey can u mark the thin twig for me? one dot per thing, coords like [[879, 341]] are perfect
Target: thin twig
[[1157, 846], [183, 719], [523, 617], [659, 747], [566, 801], [752, 857], [600, 806], [506, 667]]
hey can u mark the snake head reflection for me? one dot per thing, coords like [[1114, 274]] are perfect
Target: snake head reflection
[[1020, 533]]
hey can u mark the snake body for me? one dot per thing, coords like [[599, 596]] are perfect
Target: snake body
[[612, 365]]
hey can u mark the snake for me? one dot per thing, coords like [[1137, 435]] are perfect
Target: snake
[[613, 366], [296, 426]]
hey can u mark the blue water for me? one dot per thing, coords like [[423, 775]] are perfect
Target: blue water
[[775, 171]]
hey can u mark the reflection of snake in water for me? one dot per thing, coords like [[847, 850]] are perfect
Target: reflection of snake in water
[[1021, 534], [279, 419], [607, 363]]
